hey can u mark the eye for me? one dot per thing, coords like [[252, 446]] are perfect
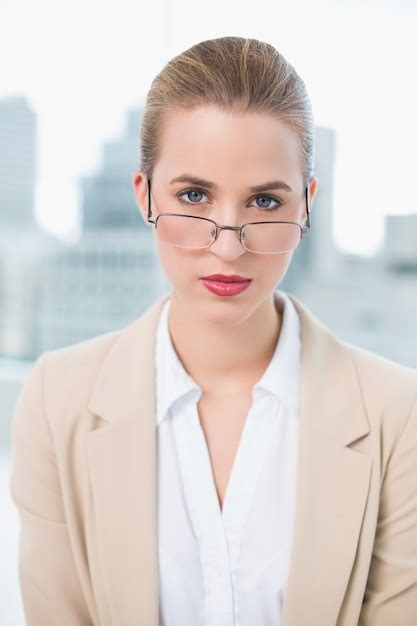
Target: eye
[[269, 208], [189, 191], [278, 201]]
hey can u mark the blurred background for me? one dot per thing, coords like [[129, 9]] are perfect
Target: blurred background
[[76, 259]]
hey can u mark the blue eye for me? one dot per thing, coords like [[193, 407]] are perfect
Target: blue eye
[[269, 208], [184, 193], [265, 208]]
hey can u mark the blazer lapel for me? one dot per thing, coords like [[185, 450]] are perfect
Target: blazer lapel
[[332, 478], [122, 468]]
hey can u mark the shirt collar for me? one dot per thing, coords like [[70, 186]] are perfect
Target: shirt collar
[[281, 377], [173, 382]]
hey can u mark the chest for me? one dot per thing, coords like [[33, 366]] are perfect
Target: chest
[[222, 421]]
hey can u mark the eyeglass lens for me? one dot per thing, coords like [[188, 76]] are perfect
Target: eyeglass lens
[[193, 232]]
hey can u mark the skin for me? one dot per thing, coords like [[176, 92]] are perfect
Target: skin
[[224, 343]]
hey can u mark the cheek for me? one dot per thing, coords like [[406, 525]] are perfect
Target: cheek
[[175, 261], [272, 266], [271, 270]]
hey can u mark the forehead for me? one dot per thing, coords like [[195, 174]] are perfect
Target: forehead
[[222, 146]]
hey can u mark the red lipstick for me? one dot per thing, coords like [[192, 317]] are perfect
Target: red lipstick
[[226, 279], [223, 285]]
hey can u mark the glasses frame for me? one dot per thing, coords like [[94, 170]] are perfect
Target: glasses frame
[[304, 229]]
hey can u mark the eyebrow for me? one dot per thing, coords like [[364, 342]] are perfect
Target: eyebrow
[[195, 180]]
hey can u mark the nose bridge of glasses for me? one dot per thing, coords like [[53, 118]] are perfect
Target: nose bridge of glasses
[[226, 227], [237, 231]]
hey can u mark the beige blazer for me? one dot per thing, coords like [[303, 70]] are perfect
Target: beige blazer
[[84, 477]]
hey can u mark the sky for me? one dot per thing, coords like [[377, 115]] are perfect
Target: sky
[[83, 64]]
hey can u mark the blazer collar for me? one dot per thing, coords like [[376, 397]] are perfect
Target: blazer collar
[[332, 478]]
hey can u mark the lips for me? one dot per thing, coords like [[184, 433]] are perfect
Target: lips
[[221, 288], [223, 278]]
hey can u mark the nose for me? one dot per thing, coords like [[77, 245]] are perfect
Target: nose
[[227, 245]]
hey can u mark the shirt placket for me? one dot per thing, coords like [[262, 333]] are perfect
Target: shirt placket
[[205, 515], [248, 464]]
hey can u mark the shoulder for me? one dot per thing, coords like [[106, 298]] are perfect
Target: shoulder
[[81, 358], [64, 379], [382, 381], [383, 386], [388, 388], [67, 375], [381, 374]]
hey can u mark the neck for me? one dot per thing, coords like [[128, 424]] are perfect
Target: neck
[[222, 357]]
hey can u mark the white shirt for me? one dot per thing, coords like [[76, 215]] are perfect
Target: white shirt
[[229, 566]]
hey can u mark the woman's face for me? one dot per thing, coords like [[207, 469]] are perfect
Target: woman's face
[[234, 153]]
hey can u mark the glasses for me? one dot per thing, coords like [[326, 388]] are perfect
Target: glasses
[[194, 232]]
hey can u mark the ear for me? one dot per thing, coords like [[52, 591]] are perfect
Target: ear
[[140, 190], [313, 185]]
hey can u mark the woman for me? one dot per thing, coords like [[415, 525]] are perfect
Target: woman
[[225, 458]]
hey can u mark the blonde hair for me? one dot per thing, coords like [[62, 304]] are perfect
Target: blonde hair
[[237, 75]]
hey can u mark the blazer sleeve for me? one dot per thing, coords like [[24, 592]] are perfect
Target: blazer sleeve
[[49, 584], [391, 592]]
